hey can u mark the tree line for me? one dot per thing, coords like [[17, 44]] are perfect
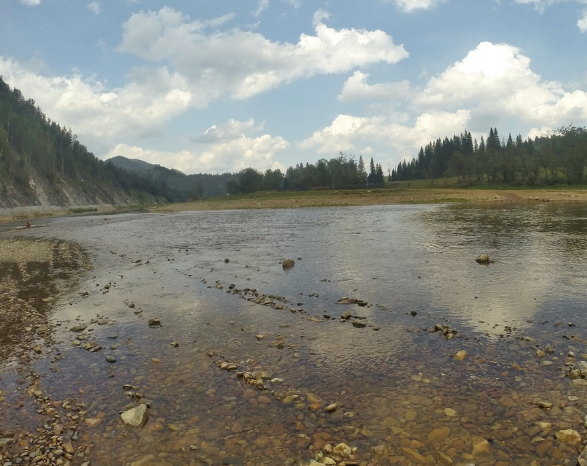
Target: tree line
[[342, 172], [559, 157]]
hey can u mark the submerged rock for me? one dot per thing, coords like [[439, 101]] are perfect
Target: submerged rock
[[78, 328], [461, 355], [136, 417], [569, 436], [154, 323]]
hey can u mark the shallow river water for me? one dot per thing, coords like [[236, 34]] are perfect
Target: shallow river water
[[215, 282]]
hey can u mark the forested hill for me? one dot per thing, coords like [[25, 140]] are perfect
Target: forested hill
[[43, 164], [186, 187], [559, 157]]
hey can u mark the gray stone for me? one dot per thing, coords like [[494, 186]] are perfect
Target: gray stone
[[582, 367], [136, 417], [79, 328]]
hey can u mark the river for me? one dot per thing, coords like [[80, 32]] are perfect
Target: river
[[396, 391]]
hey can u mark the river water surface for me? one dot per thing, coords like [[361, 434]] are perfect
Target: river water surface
[[215, 282]]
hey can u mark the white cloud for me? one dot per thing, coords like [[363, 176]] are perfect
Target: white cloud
[[493, 83], [191, 64], [95, 8], [227, 150], [31, 2], [229, 131], [139, 109], [411, 5], [263, 4], [356, 88], [582, 23], [244, 63], [346, 133], [496, 79]]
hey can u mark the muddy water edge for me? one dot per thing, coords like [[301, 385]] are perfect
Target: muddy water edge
[[437, 360]]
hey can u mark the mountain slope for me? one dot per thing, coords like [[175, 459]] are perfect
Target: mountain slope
[[42, 164], [131, 165], [185, 186]]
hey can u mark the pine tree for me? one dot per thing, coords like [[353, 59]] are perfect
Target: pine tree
[[372, 175]]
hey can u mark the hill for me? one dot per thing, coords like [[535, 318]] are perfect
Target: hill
[[43, 165], [131, 165], [185, 187]]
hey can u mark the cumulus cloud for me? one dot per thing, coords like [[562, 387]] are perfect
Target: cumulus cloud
[[411, 5], [244, 63], [190, 63], [229, 131], [582, 23], [348, 133], [139, 109], [95, 8], [227, 150], [493, 83], [356, 88], [496, 79]]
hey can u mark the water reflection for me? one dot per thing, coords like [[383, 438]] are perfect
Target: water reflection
[[397, 386]]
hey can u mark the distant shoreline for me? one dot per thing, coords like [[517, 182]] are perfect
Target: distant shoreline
[[325, 198], [298, 199]]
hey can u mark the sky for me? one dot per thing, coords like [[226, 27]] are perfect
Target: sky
[[220, 85]]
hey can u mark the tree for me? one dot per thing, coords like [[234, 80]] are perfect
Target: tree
[[250, 180]]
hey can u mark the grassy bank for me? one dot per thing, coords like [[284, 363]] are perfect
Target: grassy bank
[[398, 195]]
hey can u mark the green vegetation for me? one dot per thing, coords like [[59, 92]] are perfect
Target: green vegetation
[[184, 187], [342, 172], [559, 158], [33, 146]]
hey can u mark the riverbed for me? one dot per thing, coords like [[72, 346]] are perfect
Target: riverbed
[[440, 360]]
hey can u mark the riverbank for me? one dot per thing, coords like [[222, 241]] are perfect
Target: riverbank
[[324, 198], [298, 199]]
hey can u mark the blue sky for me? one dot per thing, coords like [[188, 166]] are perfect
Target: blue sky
[[215, 86]]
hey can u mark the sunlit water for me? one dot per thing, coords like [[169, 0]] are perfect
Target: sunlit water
[[414, 265]]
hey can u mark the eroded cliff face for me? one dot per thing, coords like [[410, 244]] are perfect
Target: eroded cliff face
[[43, 196]]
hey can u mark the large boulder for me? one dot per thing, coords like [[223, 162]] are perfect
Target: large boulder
[[136, 417]]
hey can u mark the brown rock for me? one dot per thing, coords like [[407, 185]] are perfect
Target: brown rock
[[439, 434], [249, 393], [93, 422], [414, 456], [444, 459], [262, 442], [288, 264], [480, 446]]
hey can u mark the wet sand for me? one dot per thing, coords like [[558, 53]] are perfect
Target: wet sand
[[256, 365]]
